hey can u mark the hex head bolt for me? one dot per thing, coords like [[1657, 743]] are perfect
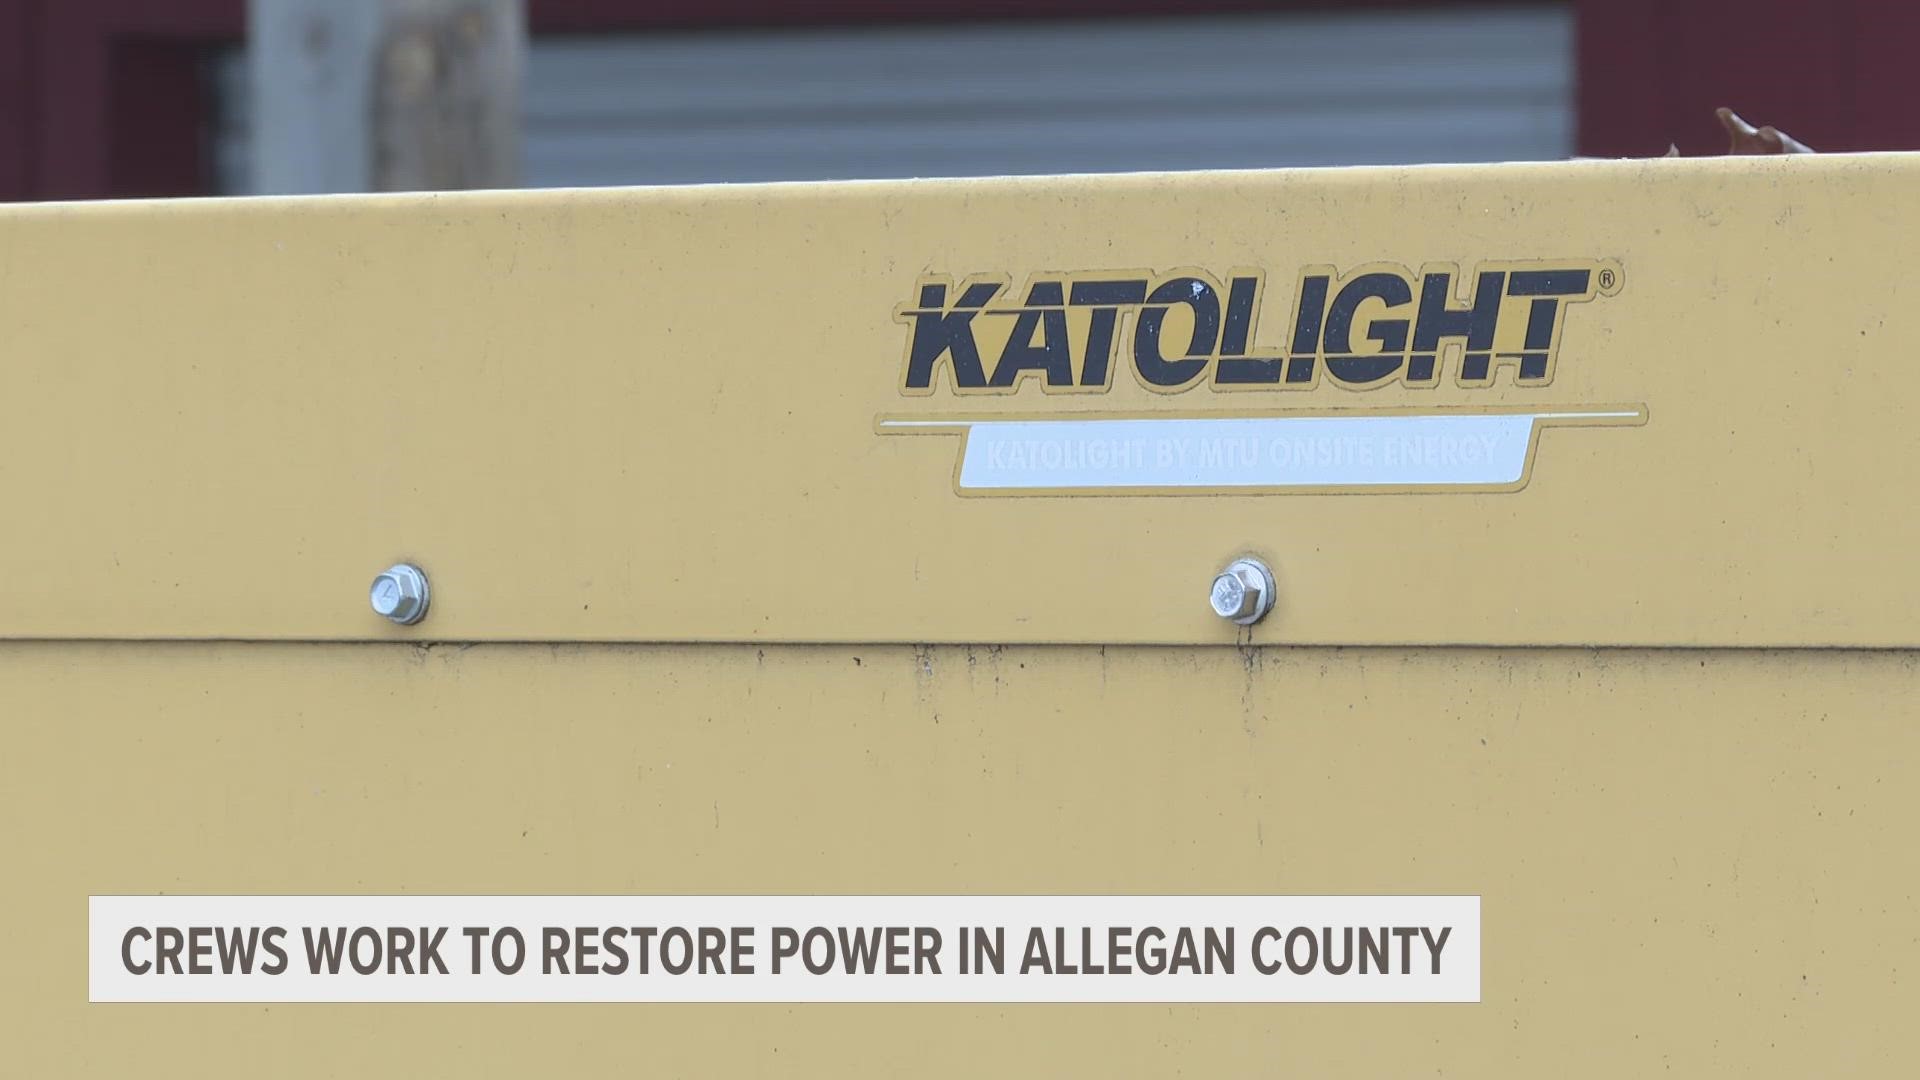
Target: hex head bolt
[[1243, 593], [399, 594]]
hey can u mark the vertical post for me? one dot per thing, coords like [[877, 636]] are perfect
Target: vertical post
[[385, 95], [446, 101]]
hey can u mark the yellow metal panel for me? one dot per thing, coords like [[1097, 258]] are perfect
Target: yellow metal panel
[[651, 415], [1691, 861]]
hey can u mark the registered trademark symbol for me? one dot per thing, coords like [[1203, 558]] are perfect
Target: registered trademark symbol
[[1606, 279]]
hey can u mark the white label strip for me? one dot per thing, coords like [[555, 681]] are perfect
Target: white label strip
[[784, 948], [1458, 450]]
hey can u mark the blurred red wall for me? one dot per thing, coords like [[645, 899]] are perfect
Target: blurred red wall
[[1835, 74]]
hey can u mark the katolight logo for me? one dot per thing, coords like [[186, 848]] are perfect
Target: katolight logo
[[1248, 419]]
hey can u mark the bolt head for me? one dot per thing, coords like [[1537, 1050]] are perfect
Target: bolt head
[[399, 594], [1231, 598], [1242, 593]]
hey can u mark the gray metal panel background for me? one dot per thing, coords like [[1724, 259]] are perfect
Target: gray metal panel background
[[1378, 87]]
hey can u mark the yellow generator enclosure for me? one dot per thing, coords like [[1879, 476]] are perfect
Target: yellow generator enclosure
[[1364, 622]]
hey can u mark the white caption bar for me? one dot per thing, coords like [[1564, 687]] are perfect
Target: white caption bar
[[784, 948], [1442, 450]]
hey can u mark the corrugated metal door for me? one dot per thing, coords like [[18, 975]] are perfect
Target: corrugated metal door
[[1381, 87]]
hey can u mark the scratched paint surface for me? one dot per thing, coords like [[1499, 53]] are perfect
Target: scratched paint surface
[[1696, 861]]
